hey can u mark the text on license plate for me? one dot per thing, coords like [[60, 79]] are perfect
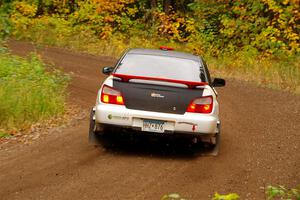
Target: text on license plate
[[153, 126]]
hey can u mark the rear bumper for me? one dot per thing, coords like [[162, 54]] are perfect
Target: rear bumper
[[188, 123]]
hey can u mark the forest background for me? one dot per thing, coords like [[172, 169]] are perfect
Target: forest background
[[253, 40]]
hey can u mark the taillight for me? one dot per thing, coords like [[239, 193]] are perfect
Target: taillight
[[111, 95], [201, 105]]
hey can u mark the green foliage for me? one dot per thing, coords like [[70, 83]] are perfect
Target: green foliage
[[249, 65], [4, 135], [269, 26], [272, 193], [173, 196], [240, 38], [231, 196], [283, 193], [28, 93], [5, 24], [207, 15]]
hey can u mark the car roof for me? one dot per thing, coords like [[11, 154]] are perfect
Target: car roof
[[168, 53]]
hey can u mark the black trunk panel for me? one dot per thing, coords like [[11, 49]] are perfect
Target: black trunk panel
[[138, 96]]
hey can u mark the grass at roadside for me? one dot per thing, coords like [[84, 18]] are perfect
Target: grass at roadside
[[28, 92], [273, 72], [4, 135], [271, 193]]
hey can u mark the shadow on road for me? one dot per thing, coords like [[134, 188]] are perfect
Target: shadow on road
[[153, 146]]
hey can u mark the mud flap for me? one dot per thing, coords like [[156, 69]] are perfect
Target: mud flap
[[215, 148], [94, 137], [212, 148], [206, 149]]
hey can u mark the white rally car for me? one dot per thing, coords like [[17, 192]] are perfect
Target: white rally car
[[161, 92]]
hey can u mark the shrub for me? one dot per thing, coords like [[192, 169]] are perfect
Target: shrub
[[269, 26], [231, 196], [5, 23], [282, 193], [28, 93], [255, 40]]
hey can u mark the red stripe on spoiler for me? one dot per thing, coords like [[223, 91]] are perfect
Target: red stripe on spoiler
[[190, 84]]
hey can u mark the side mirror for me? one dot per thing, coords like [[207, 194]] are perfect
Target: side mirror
[[107, 70], [218, 82]]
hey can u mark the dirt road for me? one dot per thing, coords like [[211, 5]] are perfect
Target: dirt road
[[260, 146]]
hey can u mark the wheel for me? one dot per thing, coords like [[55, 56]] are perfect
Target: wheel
[[215, 145], [212, 144], [95, 131]]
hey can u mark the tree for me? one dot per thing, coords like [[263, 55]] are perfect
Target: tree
[[168, 6], [40, 9], [153, 4]]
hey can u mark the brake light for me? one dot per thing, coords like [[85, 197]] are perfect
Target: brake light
[[111, 95], [201, 105], [165, 48]]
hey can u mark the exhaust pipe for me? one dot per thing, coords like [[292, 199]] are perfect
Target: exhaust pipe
[[195, 140]]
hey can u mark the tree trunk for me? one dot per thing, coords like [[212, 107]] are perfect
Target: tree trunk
[[40, 9], [72, 5], [167, 6], [153, 4]]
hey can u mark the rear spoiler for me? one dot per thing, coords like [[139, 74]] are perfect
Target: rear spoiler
[[190, 84]]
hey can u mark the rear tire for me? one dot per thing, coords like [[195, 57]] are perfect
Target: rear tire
[[215, 147], [95, 134]]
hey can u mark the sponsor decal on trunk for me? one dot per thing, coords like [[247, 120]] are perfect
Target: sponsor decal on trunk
[[156, 95], [110, 116]]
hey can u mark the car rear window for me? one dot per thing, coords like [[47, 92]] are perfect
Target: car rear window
[[160, 67]]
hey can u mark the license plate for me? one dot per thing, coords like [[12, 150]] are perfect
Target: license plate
[[153, 126]]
